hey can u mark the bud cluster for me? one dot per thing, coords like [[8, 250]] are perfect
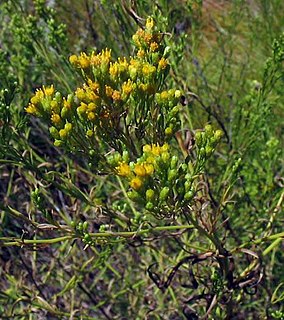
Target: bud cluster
[[158, 180], [206, 142]]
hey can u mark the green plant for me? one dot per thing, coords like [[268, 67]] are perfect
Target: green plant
[[131, 211]]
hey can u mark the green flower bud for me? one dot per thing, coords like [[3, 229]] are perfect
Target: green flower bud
[[116, 157], [104, 68], [199, 138], [178, 94], [187, 185], [174, 161], [102, 228], [55, 106], [58, 143], [164, 193], [209, 150], [189, 195], [64, 112], [85, 225], [172, 174], [208, 130], [171, 93], [125, 156], [202, 152], [158, 98], [70, 97], [58, 97], [92, 153], [149, 206], [184, 167], [165, 156], [54, 132], [218, 134], [188, 177], [150, 194], [68, 127], [133, 195], [132, 72], [63, 133], [87, 238], [174, 111], [168, 131]]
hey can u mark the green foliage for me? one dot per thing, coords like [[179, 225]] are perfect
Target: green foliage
[[147, 181]]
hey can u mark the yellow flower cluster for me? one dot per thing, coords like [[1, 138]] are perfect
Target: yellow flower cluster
[[117, 97], [40, 101], [84, 61], [111, 83], [147, 39], [138, 172]]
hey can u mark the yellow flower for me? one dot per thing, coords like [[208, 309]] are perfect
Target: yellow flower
[[82, 108], [105, 56], [113, 69], [109, 91], [116, 95], [39, 95], [141, 53], [63, 133], [148, 70], [48, 91], [154, 46], [55, 118], [151, 160], [136, 39], [91, 95], [122, 64], [165, 147], [93, 85], [89, 133], [164, 95], [148, 38], [73, 59], [66, 104], [31, 109], [91, 115], [80, 93], [123, 169], [149, 23], [91, 106], [95, 59], [139, 170], [84, 60], [136, 183], [149, 168], [163, 63], [156, 150], [147, 148], [127, 87]]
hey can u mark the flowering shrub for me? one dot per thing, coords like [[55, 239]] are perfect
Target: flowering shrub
[[124, 121], [158, 191]]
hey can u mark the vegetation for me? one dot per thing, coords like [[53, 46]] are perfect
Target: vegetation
[[141, 159]]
